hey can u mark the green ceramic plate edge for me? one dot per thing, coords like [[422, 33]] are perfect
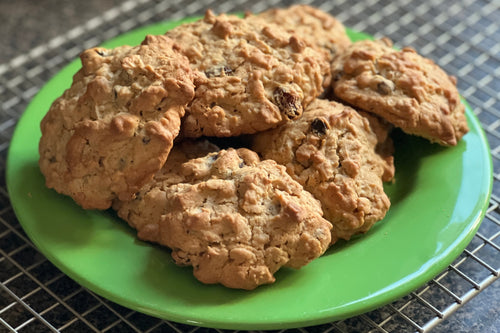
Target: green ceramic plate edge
[[439, 199]]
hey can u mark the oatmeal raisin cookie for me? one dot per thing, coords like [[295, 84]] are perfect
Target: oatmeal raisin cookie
[[235, 219], [341, 157], [112, 130], [406, 89], [251, 76]]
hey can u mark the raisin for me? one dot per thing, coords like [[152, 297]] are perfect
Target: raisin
[[122, 164], [337, 75], [218, 71], [319, 126], [332, 49], [385, 88], [146, 140], [214, 157], [288, 103]]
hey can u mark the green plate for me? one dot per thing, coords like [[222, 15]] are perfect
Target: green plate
[[438, 201]]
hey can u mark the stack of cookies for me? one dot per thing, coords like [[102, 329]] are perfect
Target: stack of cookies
[[244, 144]]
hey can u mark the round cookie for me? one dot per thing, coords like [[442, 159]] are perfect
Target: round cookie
[[317, 28], [236, 220], [341, 157], [251, 76], [406, 89], [112, 130]]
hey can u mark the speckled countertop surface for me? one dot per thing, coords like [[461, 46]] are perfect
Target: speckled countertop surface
[[463, 37]]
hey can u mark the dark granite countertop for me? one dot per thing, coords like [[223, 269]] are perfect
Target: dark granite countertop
[[27, 25]]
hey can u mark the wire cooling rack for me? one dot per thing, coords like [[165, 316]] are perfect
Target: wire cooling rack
[[463, 37]]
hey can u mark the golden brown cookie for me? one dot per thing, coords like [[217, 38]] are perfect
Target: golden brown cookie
[[251, 77], [235, 219], [406, 89], [341, 157], [112, 130]]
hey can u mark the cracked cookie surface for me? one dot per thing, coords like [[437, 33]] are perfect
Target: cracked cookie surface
[[339, 156], [235, 219], [317, 28], [401, 86], [112, 130], [251, 76]]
